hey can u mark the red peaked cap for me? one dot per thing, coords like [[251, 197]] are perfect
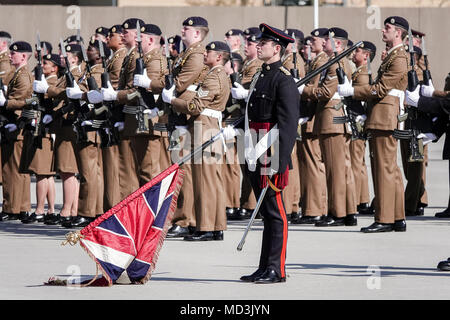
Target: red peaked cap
[[275, 34]]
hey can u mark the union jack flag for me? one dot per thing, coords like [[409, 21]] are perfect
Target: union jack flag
[[125, 241]]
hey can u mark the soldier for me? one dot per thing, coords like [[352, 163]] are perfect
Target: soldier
[[272, 104], [384, 100], [334, 139], [205, 110], [249, 69], [101, 33], [65, 160], [234, 39], [127, 170], [175, 45], [188, 72], [312, 171], [362, 57], [147, 146], [16, 185], [40, 161]]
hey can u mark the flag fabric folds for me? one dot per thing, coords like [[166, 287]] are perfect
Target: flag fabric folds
[[125, 241]]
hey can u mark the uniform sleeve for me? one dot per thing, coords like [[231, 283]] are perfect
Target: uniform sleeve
[[22, 90], [189, 72], [325, 91], [155, 71]]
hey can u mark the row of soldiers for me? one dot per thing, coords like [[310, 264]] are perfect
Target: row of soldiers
[[115, 150]]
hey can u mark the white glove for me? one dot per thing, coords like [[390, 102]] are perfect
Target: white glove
[[11, 127], [238, 91], [151, 112], [86, 123], [301, 88], [412, 97], [303, 120], [40, 86], [168, 94], [427, 91], [229, 132], [346, 89], [74, 93], [142, 80], [109, 94], [119, 125], [5, 89], [426, 137], [94, 96], [361, 118], [2, 99], [47, 119]]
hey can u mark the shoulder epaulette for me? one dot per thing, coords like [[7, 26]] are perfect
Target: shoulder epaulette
[[285, 71]]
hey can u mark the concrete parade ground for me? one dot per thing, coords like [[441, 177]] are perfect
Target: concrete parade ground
[[331, 263]]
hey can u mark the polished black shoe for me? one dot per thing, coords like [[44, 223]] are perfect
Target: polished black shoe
[[444, 265], [52, 219], [78, 222], [33, 218], [245, 213], [4, 216], [378, 227], [13, 216], [23, 215], [330, 221], [294, 216], [269, 276], [65, 220], [218, 235], [177, 231], [229, 212], [307, 220], [200, 236], [400, 225], [364, 208], [443, 214], [420, 211], [252, 277], [350, 220]]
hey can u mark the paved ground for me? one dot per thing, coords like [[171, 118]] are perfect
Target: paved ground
[[322, 263]]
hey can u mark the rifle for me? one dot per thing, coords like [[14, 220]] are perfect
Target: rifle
[[350, 117], [415, 144], [234, 77], [145, 98], [426, 72], [109, 135], [294, 70], [3, 119]]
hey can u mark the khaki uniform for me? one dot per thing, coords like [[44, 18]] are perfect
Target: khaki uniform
[[313, 191], [334, 142], [39, 161], [210, 100], [358, 148], [188, 72], [383, 109], [16, 186]]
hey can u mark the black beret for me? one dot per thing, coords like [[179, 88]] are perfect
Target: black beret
[[234, 32], [417, 33], [195, 22], [418, 50], [218, 46], [151, 29], [397, 21], [308, 40], [96, 44], [102, 30], [297, 33], [349, 43], [367, 45], [4, 34], [252, 34], [274, 34], [73, 38], [175, 41], [132, 23], [55, 58], [320, 32], [73, 47], [236, 57], [20, 46], [48, 46], [117, 28], [338, 33]]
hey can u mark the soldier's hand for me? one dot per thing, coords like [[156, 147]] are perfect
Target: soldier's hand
[[303, 120], [301, 88], [427, 91], [426, 137], [94, 96], [412, 97], [86, 123], [47, 119], [11, 127], [2, 99], [119, 125], [346, 89], [229, 132], [238, 91], [74, 93], [361, 118], [168, 94], [142, 80], [40, 86], [109, 94], [152, 113]]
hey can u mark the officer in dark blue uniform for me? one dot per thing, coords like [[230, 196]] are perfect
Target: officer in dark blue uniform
[[272, 108]]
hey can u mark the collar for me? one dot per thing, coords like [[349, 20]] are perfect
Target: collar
[[267, 68], [131, 50], [393, 48], [51, 76]]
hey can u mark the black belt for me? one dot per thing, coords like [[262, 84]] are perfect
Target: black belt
[[160, 127]]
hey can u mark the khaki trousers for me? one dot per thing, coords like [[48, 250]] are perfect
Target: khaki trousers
[[111, 197], [128, 179], [359, 168], [146, 150], [231, 173], [291, 194]]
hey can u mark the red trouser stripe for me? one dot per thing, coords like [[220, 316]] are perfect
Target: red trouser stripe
[[285, 229]]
